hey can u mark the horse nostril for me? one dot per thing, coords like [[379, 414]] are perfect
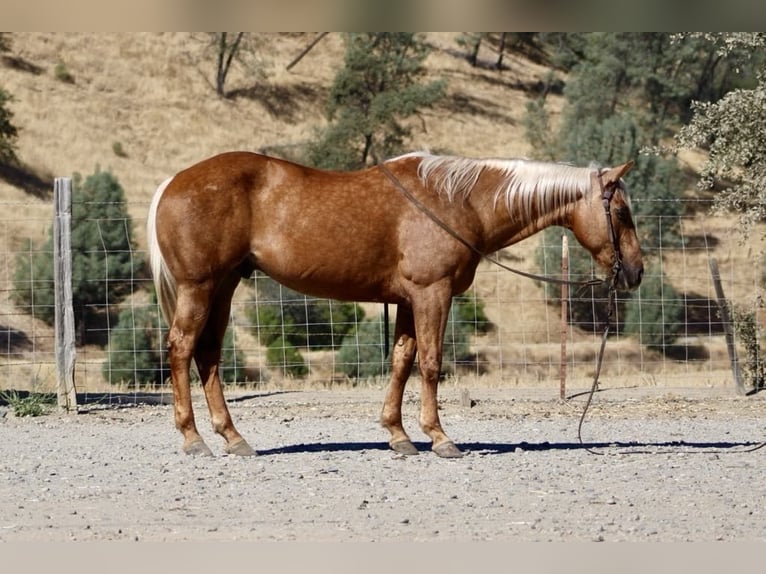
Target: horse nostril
[[639, 275]]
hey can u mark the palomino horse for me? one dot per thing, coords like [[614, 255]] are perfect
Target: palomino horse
[[360, 236]]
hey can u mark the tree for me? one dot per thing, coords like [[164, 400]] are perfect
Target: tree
[[104, 264], [362, 353], [8, 132], [376, 90], [733, 130], [655, 314], [285, 358], [230, 48], [227, 50]]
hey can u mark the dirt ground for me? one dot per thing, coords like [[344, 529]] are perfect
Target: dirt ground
[[654, 464]]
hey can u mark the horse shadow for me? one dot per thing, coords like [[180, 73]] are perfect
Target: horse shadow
[[495, 448]]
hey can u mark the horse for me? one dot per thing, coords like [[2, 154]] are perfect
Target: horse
[[365, 235]]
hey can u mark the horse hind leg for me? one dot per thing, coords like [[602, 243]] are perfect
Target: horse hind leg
[[184, 331], [207, 356]]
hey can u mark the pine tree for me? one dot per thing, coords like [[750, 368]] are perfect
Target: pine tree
[[104, 265], [376, 90]]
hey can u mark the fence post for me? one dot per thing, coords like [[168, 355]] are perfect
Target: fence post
[[564, 313], [727, 327], [62, 284]]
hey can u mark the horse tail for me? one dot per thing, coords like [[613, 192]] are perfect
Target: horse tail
[[164, 282]]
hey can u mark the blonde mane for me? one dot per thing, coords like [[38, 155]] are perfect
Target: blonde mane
[[524, 186]]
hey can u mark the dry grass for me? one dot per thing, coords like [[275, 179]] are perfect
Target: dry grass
[[152, 95]]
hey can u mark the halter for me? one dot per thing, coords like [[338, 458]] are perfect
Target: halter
[[606, 199]]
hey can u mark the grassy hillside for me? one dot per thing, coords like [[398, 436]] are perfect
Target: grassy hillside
[[82, 98]]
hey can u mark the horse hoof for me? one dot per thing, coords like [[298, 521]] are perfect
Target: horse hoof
[[240, 448], [197, 448], [448, 450], [405, 447]]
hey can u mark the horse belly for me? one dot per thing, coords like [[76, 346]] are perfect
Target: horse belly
[[336, 270]]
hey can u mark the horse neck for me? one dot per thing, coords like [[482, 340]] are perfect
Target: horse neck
[[504, 226]]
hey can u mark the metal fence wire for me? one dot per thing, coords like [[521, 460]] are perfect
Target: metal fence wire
[[506, 330]]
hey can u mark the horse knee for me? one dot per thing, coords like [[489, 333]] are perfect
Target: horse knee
[[430, 366]]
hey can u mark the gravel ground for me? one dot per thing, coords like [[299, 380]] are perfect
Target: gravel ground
[[672, 466]]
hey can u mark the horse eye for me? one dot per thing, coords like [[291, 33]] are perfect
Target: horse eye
[[623, 216]]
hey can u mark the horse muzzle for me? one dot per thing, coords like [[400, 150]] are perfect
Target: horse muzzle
[[629, 277]]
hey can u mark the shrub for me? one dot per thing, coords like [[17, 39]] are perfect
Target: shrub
[[362, 353], [655, 313], [136, 354], [302, 321], [285, 358]]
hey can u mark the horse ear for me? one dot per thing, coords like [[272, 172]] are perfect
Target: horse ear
[[616, 173]]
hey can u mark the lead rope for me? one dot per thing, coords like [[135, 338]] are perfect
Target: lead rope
[[606, 199]]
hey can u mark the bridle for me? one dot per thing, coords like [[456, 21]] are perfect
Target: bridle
[[606, 199]]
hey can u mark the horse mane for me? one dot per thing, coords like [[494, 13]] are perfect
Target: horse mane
[[524, 186]]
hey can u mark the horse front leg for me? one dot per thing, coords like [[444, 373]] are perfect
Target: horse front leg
[[431, 315], [402, 359]]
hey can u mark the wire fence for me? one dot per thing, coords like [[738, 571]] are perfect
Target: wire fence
[[506, 330]]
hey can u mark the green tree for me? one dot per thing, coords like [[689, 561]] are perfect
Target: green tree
[[104, 265], [732, 129], [376, 90], [285, 358], [137, 349], [362, 353]]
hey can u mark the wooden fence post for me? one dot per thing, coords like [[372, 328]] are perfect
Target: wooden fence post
[[62, 284], [727, 327], [564, 313]]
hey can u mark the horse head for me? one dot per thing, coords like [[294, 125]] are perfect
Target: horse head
[[603, 224]]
